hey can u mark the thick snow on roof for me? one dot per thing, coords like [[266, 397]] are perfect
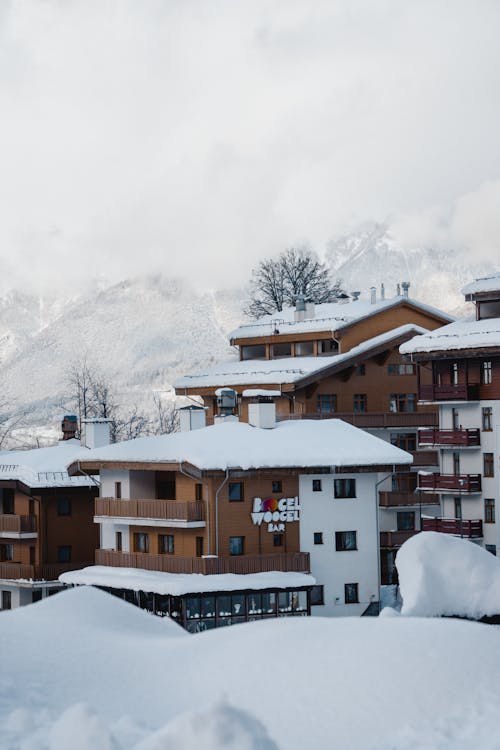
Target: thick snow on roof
[[293, 443], [463, 334], [444, 575], [331, 316], [177, 583], [44, 467], [85, 669], [285, 370], [485, 284]]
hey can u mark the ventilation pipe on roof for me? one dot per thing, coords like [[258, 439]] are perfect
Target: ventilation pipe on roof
[[227, 402], [300, 308], [405, 286], [382, 291], [373, 295], [192, 418], [398, 290]]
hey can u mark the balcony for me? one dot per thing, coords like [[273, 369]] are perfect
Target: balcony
[[425, 458], [452, 438], [402, 499], [17, 525], [395, 538], [456, 526], [375, 419], [162, 510], [470, 483], [448, 392], [297, 562], [45, 572]]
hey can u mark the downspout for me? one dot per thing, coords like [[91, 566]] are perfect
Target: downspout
[[226, 478], [207, 501], [377, 524]]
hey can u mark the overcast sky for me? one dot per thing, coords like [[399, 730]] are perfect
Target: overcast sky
[[197, 137]]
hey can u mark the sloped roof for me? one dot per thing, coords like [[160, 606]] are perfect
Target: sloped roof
[[461, 335], [44, 467]]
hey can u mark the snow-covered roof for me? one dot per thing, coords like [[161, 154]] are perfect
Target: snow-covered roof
[[331, 316], [257, 392], [286, 370], [463, 334], [44, 467], [483, 285], [293, 443], [177, 584]]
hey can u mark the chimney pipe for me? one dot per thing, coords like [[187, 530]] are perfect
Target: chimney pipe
[[405, 286], [69, 426], [382, 291], [398, 290], [373, 295]]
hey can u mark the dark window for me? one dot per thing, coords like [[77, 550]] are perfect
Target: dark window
[[281, 350], [6, 552], [456, 464], [351, 593], [360, 370], [235, 492], [327, 403], [198, 492], [402, 402], [304, 348], [317, 595], [6, 600], [141, 542], [487, 418], [277, 485], [406, 520], [486, 373], [63, 506], [236, 545], [118, 490], [32, 555], [488, 470], [327, 346], [345, 487], [257, 351], [318, 537], [64, 553], [166, 544], [118, 541], [345, 541], [407, 441], [458, 507], [359, 402], [199, 546], [7, 502], [491, 548], [401, 369], [489, 510], [166, 489], [316, 485], [277, 540], [37, 595], [455, 420]]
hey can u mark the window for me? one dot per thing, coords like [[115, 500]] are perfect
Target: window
[[165, 544], [236, 545], [256, 351], [32, 555], [118, 541], [351, 593], [345, 541], [199, 546], [454, 373], [318, 537], [401, 402], [327, 346], [7, 501], [489, 510], [198, 492], [141, 542], [491, 548], [458, 508], [316, 485], [487, 418], [317, 595], [345, 487], [455, 420], [6, 600], [64, 553], [165, 488], [6, 552], [63, 506], [235, 492], [488, 470], [277, 486], [327, 403], [304, 348], [401, 369], [281, 350], [486, 373], [277, 540], [118, 490], [406, 520], [360, 370], [407, 441], [456, 464], [359, 402]]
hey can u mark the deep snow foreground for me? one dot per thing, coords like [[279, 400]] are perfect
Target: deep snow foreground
[[444, 575], [291, 683]]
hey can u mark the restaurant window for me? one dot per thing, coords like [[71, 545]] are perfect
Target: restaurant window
[[344, 488], [401, 368], [487, 418], [64, 553], [327, 403], [316, 485], [118, 541], [256, 351], [346, 541], [165, 544], [318, 537], [327, 346], [7, 501], [407, 441], [304, 348], [488, 470], [317, 595], [235, 492], [351, 593], [236, 545], [277, 540], [277, 486], [281, 350], [402, 402], [118, 490], [6, 552], [63, 506], [406, 521], [486, 373], [198, 492], [489, 510], [6, 600], [141, 542], [359, 403]]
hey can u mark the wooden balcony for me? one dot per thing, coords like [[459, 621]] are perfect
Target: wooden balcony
[[425, 458], [470, 483], [456, 526], [470, 438], [10, 523], [297, 562], [45, 572], [395, 538], [156, 509], [460, 392], [402, 499], [375, 419]]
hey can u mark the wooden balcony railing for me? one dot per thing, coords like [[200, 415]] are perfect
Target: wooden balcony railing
[[297, 562], [45, 572], [158, 509], [460, 392], [453, 438], [425, 458], [395, 538], [456, 526], [17, 524], [375, 419], [450, 482], [400, 499]]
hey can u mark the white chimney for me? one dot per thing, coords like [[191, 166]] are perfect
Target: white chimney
[[96, 432], [405, 285], [382, 291], [262, 414], [309, 311], [300, 309], [373, 295], [192, 418]]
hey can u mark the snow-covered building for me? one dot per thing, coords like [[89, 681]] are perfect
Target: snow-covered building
[[222, 515], [46, 519], [464, 359]]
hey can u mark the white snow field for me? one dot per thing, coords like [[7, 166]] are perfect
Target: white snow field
[[83, 670]]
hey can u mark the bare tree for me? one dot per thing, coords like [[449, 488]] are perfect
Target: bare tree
[[276, 283], [129, 425], [9, 420], [167, 418]]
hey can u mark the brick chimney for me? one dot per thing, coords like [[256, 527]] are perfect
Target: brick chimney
[[69, 426]]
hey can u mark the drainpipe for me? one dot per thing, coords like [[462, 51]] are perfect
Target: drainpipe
[[198, 479], [226, 479], [377, 524]]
